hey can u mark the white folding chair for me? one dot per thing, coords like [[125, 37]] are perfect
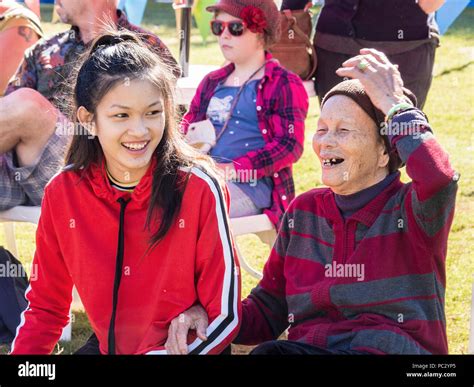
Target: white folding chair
[[187, 86], [17, 214], [259, 225]]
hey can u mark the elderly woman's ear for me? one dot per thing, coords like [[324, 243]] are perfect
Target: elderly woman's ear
[[384, 156]]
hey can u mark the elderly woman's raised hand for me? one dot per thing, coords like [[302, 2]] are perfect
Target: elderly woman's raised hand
[[380, 78]]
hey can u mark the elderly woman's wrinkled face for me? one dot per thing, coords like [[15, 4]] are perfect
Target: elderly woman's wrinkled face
[[351, 152]]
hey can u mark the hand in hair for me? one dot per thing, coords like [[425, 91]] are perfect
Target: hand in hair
[[381, 79]]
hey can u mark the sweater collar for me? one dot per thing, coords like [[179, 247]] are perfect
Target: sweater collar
[[350, 204], [371, 210], [100, 183]]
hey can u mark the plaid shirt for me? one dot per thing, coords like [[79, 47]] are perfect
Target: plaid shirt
[[282, 106], [48, 64]]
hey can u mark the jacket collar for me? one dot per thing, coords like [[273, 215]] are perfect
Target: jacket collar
[[368, 214], [97, 175]]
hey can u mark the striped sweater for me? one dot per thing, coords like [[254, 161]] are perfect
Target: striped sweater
[[374, 282]]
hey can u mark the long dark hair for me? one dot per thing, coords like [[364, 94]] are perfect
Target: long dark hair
[[112, 58]]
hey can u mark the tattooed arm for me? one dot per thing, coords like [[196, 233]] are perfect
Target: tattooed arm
[[27, 34], [14, 41]]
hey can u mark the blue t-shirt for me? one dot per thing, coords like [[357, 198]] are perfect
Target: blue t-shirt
[[241, 136]]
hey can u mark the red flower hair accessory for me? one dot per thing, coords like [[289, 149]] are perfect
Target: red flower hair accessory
[[254, 19]]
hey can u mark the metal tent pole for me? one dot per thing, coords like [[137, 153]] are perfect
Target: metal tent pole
[[183, 9]]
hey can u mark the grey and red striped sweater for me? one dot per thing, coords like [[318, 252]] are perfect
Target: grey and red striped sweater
[[372, 282]]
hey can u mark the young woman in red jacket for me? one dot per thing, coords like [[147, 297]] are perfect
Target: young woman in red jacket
[[137, 220]]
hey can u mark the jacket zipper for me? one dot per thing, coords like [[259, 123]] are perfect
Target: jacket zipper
[[118, 276]]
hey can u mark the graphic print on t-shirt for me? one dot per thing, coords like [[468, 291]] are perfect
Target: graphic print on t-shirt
[[219, 108]]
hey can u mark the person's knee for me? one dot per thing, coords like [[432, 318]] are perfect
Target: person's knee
[[35, 123], [21, 101], [35, 115]]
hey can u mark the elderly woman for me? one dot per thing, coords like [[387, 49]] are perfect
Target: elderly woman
[[358, 267]]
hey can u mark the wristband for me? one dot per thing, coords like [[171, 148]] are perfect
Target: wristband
[[396, 109]]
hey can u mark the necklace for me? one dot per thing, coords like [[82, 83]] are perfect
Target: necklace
[[120, 183]]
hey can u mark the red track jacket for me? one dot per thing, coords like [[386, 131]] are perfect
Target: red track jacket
[[130, 298]]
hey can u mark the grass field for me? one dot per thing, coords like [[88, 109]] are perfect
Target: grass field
[[450, 110]]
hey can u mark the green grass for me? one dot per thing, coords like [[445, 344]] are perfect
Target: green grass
[[450, 109]]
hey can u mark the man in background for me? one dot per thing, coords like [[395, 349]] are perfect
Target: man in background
[[31, 146]]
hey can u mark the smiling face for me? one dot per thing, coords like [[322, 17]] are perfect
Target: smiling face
[[352, 154], [129, 123], [238, 49]]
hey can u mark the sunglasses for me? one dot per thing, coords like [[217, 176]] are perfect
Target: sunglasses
[[236, 28]]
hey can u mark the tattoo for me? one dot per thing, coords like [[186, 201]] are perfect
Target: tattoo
[[26, 32]]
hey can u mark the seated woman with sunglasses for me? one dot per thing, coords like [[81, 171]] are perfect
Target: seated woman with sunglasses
[[256, 107]]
